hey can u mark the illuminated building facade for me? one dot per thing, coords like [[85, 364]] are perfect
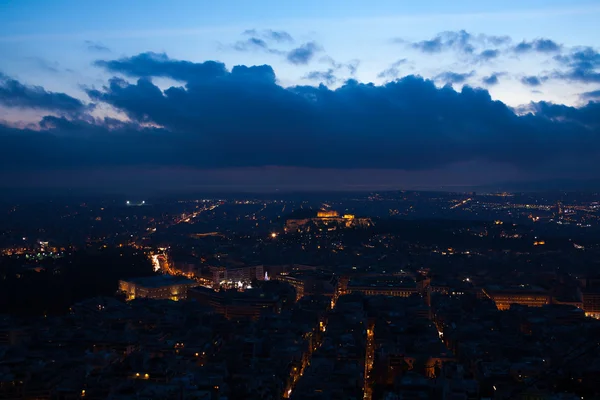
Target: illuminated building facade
[[239, 274], [382, 286], [159, 287], [590, 294], [530, 296], [296, 283], [310, 283], [591, 302], [327, 219], [327, 214]]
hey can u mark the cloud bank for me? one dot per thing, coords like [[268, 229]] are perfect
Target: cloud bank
[[15, 94], [221, 118]]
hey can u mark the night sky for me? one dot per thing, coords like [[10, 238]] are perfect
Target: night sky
[[190, 95]]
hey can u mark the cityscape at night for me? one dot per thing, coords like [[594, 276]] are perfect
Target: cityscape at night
[[317, 295], [320, 200]]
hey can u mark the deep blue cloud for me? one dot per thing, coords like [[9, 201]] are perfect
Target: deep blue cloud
[[251, 43], [489, 54], [262, 40], [351, 66], [588, 116], [583, 65], [593, 95], [304, 54], [533, 80], [95, 46], [454, 77], [327, 77], [434, 45], [160, 65], [460, 41], [256, 44], [269, 34], [74, 144], [15, 94], [538, 45], [496, 40], [492, 79], [242, 118], [393, 71]]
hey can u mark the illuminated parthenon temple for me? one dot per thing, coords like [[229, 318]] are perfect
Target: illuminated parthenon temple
[[329, 219]]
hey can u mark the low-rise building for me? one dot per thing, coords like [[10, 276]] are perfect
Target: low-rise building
[[591, 302], [159, 287], [527, 295], [235, 304], [382, 286]]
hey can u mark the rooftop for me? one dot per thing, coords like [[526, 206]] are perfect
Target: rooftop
[[392, 282], [159, 280], [515, 288]]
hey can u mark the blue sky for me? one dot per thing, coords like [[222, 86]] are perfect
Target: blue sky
[[39, 35], [66, 46]]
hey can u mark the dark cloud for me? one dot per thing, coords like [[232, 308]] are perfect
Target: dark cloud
[[251, 43], [533, 81], [256, 44], [585, 117], [74, 144], [478, 48], [351, 66], [583, 65], [461, 41], [269, 34], [434, 45], [95, 46], [327, 77], [496, 40], [489, 54], [593, 95], [262, 40], [243, 118], [393, 71], [304, 54], [492, 79], [15, 94], [280, 36], [160, 65], [537, 45], [454, 77]]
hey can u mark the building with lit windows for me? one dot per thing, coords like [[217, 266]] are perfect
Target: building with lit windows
[[296, 283], [310, 283], [527, 295], [221, 275], [591, 302], [382, 286], [159, 287]]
